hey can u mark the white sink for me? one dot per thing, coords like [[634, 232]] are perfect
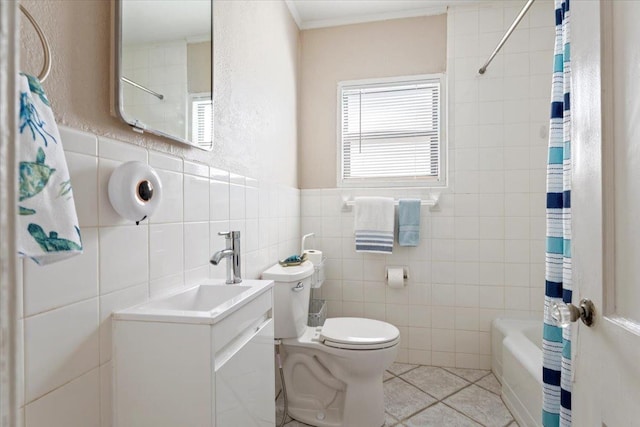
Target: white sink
[[208, 302], [199, 298], [202, 356]]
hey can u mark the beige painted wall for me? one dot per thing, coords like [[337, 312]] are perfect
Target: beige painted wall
[[257, 106], [199, 67], [329, 55], [255, 87]]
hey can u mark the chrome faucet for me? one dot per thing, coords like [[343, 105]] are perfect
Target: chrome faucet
[[232, 253]]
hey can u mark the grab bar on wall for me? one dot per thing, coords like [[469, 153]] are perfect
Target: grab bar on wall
[[513, 26], [46, 67], [139, 86], [432, 202]]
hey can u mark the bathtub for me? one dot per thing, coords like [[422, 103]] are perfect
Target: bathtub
[[516, 346]]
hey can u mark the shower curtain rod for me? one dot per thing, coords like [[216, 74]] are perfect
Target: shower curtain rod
[[139, 86], [506, 36]]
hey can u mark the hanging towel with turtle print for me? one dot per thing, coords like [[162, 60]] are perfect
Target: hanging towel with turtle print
[[48, 228]]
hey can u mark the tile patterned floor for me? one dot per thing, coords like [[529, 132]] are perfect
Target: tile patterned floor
[[427, 396]]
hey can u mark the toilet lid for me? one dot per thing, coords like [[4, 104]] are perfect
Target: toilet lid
[[357, 333]]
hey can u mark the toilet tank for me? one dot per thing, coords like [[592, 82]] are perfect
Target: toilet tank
[[292, 287]]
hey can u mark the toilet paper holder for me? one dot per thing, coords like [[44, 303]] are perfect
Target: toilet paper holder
[[405, 271], [135, 190]]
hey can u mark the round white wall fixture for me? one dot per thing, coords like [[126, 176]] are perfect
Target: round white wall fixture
[[135, 190]]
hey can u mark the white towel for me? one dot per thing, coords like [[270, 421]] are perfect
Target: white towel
[[373, 225], [48, 228]]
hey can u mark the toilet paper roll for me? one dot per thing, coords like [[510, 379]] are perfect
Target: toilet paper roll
[[395, 277], [314, 256]]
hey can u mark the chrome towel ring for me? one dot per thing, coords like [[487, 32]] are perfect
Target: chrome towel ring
[[46, 67]]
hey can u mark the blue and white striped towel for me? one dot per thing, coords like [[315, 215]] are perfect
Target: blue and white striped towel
[[374, 220]]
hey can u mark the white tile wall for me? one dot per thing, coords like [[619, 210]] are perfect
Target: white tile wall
[[166, 250], [124, 257], [60, 345], [196, 198], [482, 254], [41, 294], [106, 417], [116, 301], [196, 245], [142, 63], [172, 207], [74, 404], [67, 306]]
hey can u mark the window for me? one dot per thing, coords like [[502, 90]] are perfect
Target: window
[[391, 132], [201, 124]]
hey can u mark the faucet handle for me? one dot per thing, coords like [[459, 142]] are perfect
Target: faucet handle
[[229, 234]]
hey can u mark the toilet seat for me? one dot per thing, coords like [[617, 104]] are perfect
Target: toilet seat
[[355, 333]]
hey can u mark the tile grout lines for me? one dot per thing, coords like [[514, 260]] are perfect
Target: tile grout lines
[[436, 401], [401, 372], [470, 383]]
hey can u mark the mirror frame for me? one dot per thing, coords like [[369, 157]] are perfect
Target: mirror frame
[[118, 107]]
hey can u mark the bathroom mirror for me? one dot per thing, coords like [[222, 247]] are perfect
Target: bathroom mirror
[[163, 68]]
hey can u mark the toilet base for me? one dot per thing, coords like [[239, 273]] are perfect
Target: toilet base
[[364, 406], [335, 388]]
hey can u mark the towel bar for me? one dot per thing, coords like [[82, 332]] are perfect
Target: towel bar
[[432, 202]]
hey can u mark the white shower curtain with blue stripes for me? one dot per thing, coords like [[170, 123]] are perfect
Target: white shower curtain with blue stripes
[[556, 342]]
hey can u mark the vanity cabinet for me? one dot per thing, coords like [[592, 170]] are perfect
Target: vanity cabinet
[[245, 383], [182, 370]]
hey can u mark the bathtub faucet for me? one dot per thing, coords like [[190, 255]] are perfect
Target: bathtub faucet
[[232, 253]]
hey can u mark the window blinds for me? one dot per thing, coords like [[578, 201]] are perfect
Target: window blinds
[[202, 121], [391, 131]]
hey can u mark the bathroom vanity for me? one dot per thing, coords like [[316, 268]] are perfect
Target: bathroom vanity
[[201, 357]]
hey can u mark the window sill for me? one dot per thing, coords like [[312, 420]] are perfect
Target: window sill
[[439, 184]]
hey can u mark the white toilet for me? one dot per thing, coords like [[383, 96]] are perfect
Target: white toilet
[[333, 373]]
